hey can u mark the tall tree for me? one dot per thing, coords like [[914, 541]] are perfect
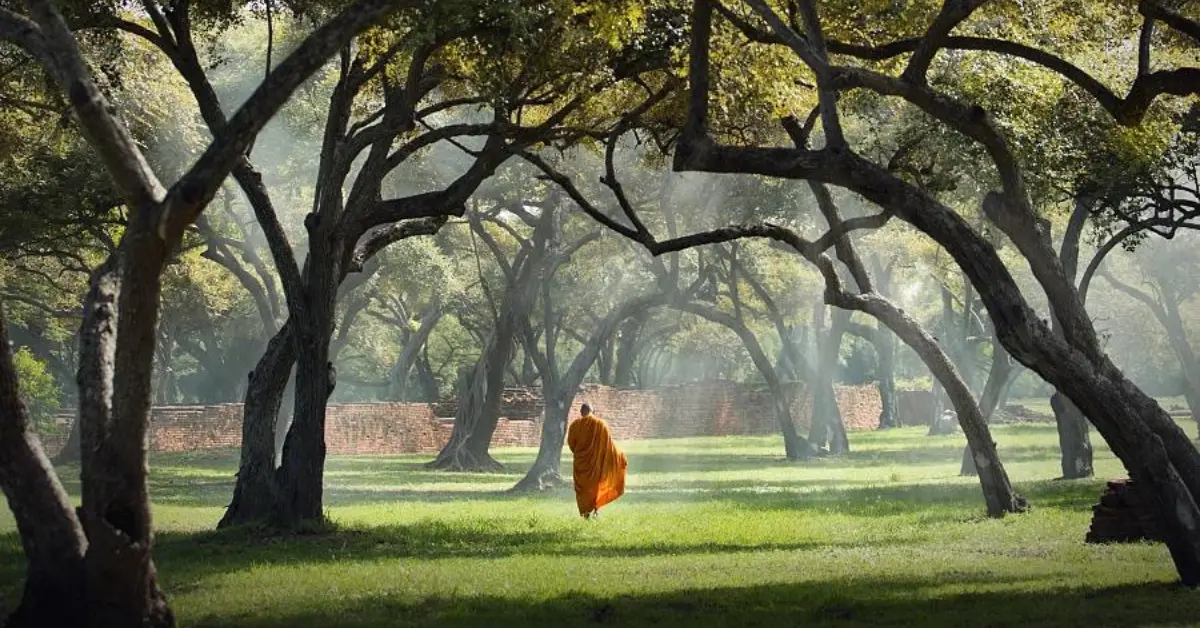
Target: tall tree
[[121, 311]]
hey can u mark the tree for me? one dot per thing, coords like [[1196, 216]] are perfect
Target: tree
[[118, 330], [998, 493], [559, 386], [1171, 280], [1151, 446]]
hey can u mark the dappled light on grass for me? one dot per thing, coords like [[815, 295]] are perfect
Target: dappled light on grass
[[713, 530]]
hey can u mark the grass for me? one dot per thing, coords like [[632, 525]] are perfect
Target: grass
[[716, 531]]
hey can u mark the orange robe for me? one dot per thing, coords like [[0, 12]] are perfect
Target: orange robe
[[599, 468]]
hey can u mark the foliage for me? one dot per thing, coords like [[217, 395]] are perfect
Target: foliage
[[38, 389]]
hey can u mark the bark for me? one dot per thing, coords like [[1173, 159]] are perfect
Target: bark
[[254, 492], [122, 587], [544, 474], [1074, 441], [50, 533], [299, 480], [1072, 438], [998, 379], [828, 430]]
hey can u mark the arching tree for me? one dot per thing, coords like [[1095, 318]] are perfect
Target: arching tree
[[1141, 433]]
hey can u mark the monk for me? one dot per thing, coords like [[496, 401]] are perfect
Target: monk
[[599, 468]]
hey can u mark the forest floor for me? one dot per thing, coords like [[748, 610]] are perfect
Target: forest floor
[[712, 531]]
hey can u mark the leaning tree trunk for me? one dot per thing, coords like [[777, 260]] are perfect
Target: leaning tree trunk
[[794, 446], [50, 533], [544, 474], [254, 493], [400, 376], [998, 378], [998, 493]]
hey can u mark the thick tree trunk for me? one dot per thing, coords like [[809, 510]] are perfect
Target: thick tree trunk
[[1073, 438], [299, 480], [998, 379], [254, 493], [122, 586], [51, 535], [479, 406], [544, 474]]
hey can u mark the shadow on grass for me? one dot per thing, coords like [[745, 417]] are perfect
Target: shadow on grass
[[875, 602]]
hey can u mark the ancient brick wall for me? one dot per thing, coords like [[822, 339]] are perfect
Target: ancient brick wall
[[701, 409]]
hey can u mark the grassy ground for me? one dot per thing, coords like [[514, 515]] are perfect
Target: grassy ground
[[712, 531]]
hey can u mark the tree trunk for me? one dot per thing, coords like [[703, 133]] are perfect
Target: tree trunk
[[604, 363], [70, 451], [122, 586], [885, 349], [1073, 439], [794, 447], [828, 429], [998, 493], [936, 395], [254, 493], [544, 474], [628, 351], [479, 406], [998, 378], [1191, 393], [401, 375], [51, 535], [299, 480], [426, 380]]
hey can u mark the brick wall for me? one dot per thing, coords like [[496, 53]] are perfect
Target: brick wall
[[702, 409]]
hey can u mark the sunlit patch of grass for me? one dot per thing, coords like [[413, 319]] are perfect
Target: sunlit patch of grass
[[720, 531]]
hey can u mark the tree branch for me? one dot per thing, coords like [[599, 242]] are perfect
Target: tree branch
[[1154, 10]]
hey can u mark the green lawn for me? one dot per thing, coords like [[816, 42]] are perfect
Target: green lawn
[[719, 531]]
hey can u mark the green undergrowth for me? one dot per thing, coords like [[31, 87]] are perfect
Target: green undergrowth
[[712, 531]]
